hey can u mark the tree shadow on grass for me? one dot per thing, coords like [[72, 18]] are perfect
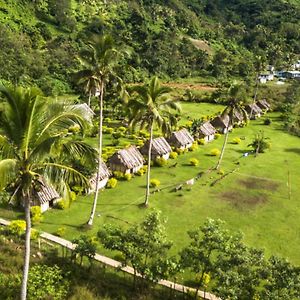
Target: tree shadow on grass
[[293, 150]]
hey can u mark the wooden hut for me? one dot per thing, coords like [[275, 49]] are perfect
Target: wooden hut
[[181, 139], [238, 118], [89, 113], [128, 160], [160, 148], [222, 124], [206, 131], [45, 195], [263, 105], [103, 178], [253, 111]]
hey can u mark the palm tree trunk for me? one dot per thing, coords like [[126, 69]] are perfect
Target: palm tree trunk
[[149, 165], [27, 249], [254, 98], [89, 101], [223, 149], [91, 219]]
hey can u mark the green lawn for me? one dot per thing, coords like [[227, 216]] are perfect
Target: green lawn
[[254, 199]]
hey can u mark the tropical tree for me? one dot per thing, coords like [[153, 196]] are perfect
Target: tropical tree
[[235, 105], [150, 106], [35, 146], [98, 62]]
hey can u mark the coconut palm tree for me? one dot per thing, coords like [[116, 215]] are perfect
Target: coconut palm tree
[[150, 106], [35, 144], [235, 105], [98, 62]]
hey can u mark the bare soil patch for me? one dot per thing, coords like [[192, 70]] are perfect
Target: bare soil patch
[[190, 86], [259, 184]]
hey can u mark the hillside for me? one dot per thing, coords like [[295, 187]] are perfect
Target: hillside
[[40, 39]]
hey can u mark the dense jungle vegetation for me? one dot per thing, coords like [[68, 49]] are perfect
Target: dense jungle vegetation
[[172, 39]]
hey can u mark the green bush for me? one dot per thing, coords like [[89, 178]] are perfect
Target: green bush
[[118, 175], [140, 172], [109, 130], [112, 183], [201, 141], [193, 147], [17, 227], [194, 161], [36, 214], [215, 152], [61, 205], [107, 120], [116, 135], [267, 121], [217, 135], [173, 155], [122, 129], [236, 141], [115, 142], [34, 234], [221, 172], [61, 231], [127, 176], [140, 143], [179, 151], [160, 162], [154, 183]]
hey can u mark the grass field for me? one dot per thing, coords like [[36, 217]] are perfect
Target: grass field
[[260, 198]]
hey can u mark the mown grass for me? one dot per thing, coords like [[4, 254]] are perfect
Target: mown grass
[[254, 198]]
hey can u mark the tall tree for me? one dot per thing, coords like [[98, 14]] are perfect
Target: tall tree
[[235, 105], [150, 106], [98, 62], [34, 145]]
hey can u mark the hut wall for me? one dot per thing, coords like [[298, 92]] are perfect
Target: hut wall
[[44, 206]]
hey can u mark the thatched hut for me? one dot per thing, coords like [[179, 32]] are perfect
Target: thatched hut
[[44, 195], [160, 148], [181, 139], [253, 111], [128, 160], [85, 109], [238, 118], [206, 131], [222, 124], [103, 178], [263, 105]]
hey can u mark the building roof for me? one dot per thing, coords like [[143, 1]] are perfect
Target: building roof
[[45, 192], [264, 103], [159, 147], [104, 173], [129, 157], [181, 137], [238, 116], [207, 129], [86, 109], [221, 121], [254, 108]]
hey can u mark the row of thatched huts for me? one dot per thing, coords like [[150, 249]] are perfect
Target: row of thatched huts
[[130, 160]]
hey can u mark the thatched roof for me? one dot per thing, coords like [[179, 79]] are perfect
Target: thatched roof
[[207, 129], [254, 108], [45, 192], [104, 173], [221, 121], [86, 109], [238, 116], [263, 104], [181, 138], [159, 147], [128, 157]]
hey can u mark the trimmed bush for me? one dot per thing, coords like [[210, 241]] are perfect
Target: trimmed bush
[[267, 121], [236, 141], [128, 177], [122, 129], [140, 172], [217, 135], [61, 231], [201, 141], [179, 151], [140, 143], [34, 234], [221, 172], [194, 161], [36, 214], [17, 227], [154, 183], [118, 175], [173, 155], [112, 183], [61, 204], [193, 147], [160, 162], [215, 152]]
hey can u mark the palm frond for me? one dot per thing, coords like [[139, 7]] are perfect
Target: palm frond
[[8, 172]]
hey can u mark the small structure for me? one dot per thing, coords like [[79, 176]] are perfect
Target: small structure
[[128, 160], [253, 111], [266, 76], [86, 109], [206, 131], [181, 139], [238, 118], [103, 178], [222, 123], [45, 195], [160, 148], [292, 74], [263, 105]]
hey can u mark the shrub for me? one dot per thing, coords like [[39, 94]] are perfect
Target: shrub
[[112, 182], [201, 141], [193, 147], [34, 234], [109, 130], [36, 214], [128, 176], [160, 162], [140, 172], [260, 143], [122, 129], [194, 161], [61, 231], [118, 175], [116, 135], [17, 227], [107, 120], [179, 151], [236, 141], [267, 121], [115, 142], [173, 155], [140, 143], [61, 204], [215, 152], [154, 183], [217, 135]]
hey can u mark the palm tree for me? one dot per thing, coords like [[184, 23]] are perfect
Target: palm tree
[[35, 144], [234, 105], [152, 106], [98, 61]]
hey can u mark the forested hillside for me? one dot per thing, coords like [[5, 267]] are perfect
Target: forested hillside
[[173, 39]]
